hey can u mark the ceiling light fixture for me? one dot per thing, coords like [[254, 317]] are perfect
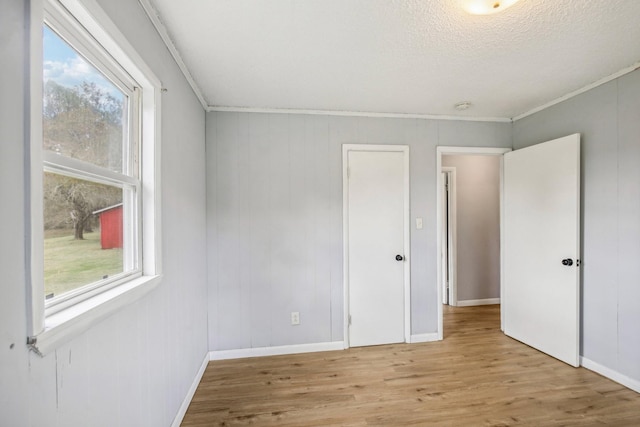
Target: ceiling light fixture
[[486, 7]]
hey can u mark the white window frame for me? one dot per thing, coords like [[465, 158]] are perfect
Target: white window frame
[[62, 25], [50, 325]]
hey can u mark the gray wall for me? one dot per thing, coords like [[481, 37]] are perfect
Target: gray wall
[[275, 220], [478, 225], [607, 118], [135, 367]]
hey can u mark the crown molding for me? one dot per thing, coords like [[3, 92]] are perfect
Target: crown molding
[[164, 34], [582, 90], [162, 31], [212, 108]]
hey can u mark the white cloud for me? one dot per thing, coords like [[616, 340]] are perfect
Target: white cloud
[[75, 71]]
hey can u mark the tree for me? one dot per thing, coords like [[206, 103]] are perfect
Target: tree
[[83, 122], [78, 199]]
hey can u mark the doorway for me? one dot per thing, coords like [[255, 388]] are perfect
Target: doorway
[[376, 244], [540, 244], [471, 230], [444, 236]]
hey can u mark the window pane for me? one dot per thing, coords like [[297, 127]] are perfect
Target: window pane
[[83, 238], [84, 114]]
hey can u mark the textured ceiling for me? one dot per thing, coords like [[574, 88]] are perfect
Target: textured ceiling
[[399, 56]]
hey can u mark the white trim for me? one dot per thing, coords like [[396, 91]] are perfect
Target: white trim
[[151, 230], [215, 108], [407, 247], [73, 297], [242, 353], [453, 244], [34, 250], [502, 251], [418, 338], [407, 231], [440, 151], [468, 151], [582, 90], [80, 169], [616, 376], [472, 302], [182, 411], [166, 38], [67, 324], [345, 248]]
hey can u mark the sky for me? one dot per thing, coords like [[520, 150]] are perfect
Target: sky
[[66, 67]]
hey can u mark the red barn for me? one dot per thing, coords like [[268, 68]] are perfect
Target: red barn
[[110, 226]]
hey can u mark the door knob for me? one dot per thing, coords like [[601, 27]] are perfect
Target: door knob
[[399, 257], [568, 262]]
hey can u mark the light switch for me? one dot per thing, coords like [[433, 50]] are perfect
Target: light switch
[[419, 223]]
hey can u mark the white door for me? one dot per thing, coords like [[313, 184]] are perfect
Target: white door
[[377, 191], [541, 300]]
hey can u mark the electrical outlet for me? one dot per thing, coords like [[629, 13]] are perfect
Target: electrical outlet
[[295, 318]]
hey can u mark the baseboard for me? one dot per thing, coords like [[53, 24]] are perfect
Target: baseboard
[[192, 390], [276, 351], [413, 339], [611, 374], [470, 302]]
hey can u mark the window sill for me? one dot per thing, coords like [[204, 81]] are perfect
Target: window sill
[[66, 324]]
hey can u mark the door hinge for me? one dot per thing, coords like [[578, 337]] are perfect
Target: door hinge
[[348, 172], [349, 320]]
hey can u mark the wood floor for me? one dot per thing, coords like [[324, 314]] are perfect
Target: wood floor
[[475, 377]]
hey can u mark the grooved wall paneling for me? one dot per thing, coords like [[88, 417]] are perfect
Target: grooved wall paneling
[[607, 119], [277, 214]]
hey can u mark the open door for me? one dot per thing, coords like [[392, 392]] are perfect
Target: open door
[[541, 243]]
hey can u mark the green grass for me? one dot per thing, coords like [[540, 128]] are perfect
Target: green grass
[[69, 263]]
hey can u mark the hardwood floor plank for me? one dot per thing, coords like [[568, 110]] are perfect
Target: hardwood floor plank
[[476, 376]]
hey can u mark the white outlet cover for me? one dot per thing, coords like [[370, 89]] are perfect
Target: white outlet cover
[[295, 318]]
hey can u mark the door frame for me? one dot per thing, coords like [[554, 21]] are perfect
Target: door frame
[[452, 254], [404, 149], [482, 151]]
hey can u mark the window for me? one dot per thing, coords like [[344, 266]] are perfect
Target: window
[[90, 180], [94, 187]]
